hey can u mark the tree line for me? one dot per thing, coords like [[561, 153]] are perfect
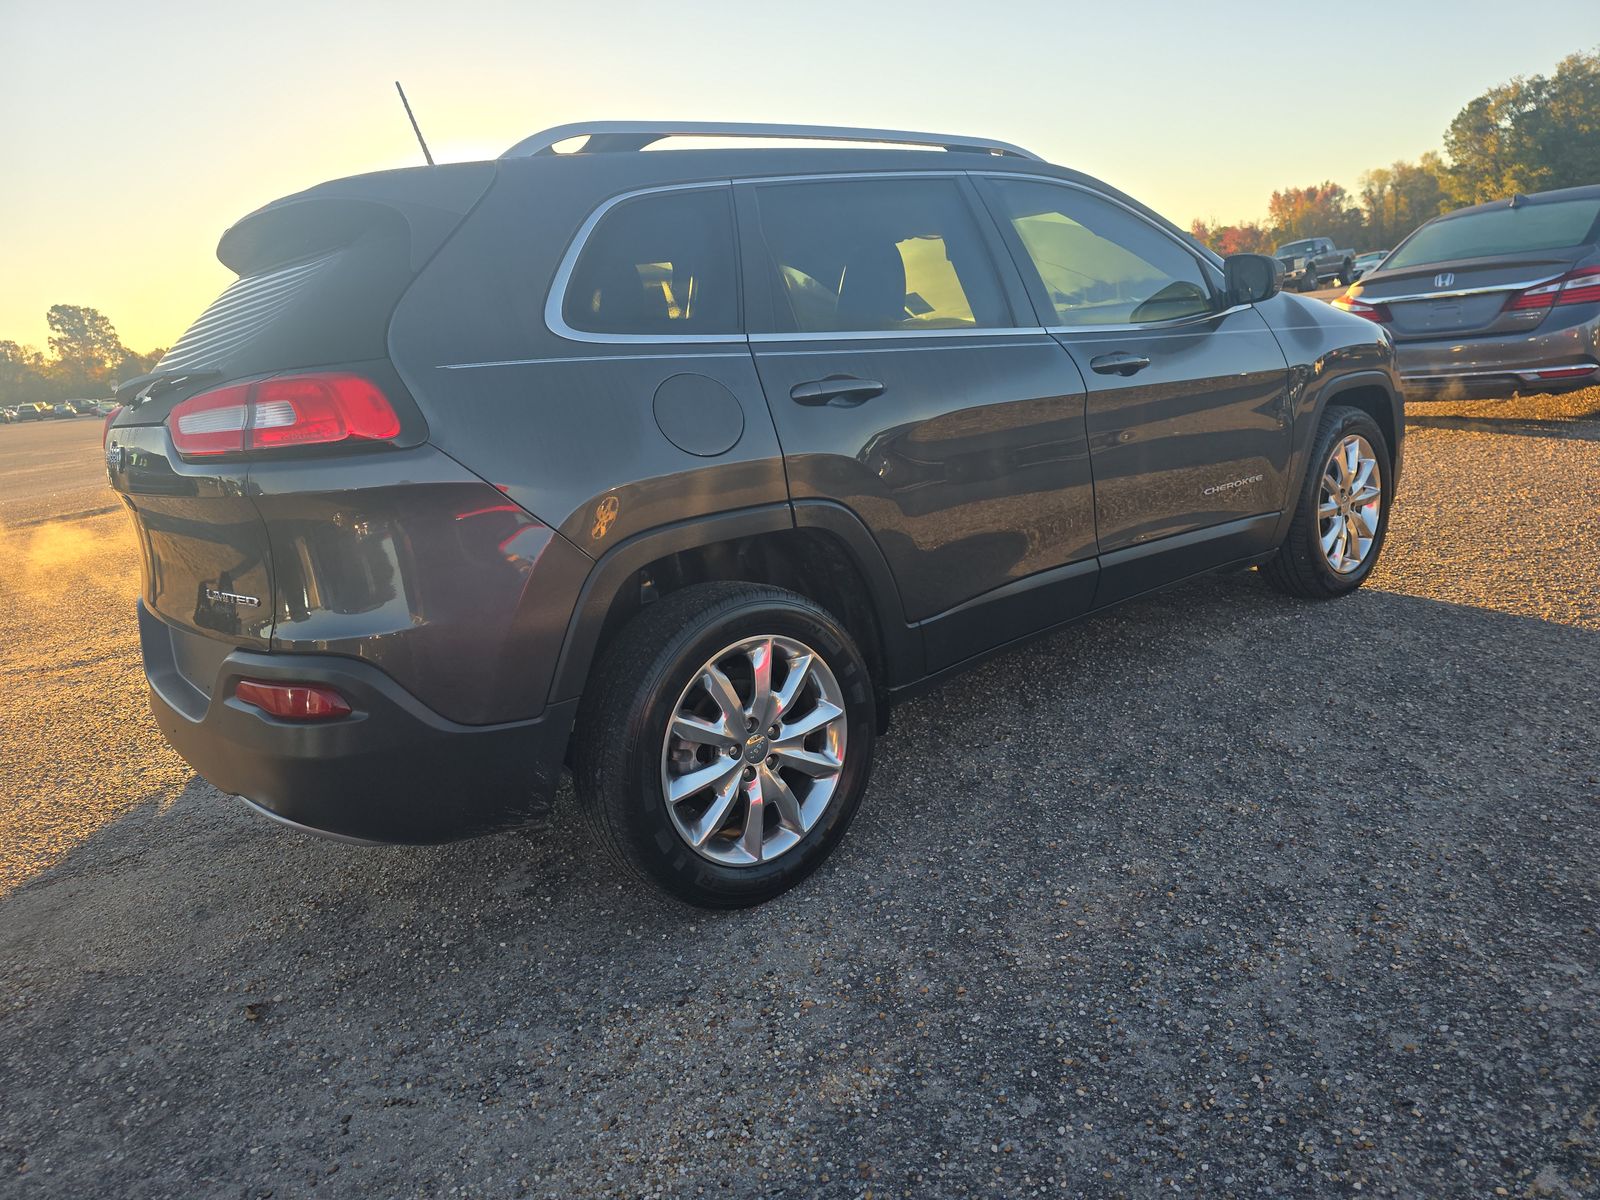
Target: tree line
[[1528, 135], [86, 360]]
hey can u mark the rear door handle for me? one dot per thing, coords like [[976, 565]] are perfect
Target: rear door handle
[[845, 391], [1118, 362]]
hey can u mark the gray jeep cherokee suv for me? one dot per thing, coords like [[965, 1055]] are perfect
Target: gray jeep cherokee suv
[[682, 467]]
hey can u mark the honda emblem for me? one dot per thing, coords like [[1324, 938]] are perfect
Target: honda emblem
[[1443, 279]]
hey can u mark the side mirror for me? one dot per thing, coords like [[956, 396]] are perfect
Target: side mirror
[[1251, 278]]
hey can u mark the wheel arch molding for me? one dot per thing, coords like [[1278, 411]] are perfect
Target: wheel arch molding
[[820, 549], [1373, 391]]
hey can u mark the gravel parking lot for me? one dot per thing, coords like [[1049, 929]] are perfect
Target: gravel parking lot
[[1220, 894]]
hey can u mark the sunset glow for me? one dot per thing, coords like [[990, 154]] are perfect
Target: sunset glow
[[130, 145]]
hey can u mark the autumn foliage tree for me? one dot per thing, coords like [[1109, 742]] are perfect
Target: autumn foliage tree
[[1531, 134], [1528, 135], [87, 358]]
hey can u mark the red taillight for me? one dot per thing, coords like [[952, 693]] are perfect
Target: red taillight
[[284, 412], [105, 426], [1575, 287], [1360, 308], [1581, 287], [293, 701]]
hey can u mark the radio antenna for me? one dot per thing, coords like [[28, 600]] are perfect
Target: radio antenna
[[414, 128]]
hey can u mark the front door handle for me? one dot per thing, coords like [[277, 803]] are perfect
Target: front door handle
[[845, 391], [1118, 362]]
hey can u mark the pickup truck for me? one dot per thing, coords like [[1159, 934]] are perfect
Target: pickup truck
[[1311, 262]]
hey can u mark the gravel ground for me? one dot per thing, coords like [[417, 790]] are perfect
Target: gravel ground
[[1220, 894]]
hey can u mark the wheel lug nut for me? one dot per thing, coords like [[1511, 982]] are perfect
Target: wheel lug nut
[[749, 773], [773, 732], [750, 724], [772, 761]]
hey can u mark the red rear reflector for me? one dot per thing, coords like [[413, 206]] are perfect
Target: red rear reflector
[[293, 701], [283, 412], [1565, 372]]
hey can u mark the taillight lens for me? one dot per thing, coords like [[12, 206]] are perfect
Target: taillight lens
[[293, 701], [105, 425], [1360, 308], [1581, 287], [284, 412], [1575, 287]]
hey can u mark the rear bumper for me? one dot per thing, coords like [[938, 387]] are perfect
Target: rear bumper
[[393, 771], [1554, 361]]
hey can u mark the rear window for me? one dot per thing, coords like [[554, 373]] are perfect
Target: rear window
[[661, 264], [1526, 229]]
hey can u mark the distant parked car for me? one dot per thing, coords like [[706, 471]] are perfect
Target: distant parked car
[[30, 412], [1365, 263], [1496, 298], [85, 408], [64, 410], [1311, 262], [7, 415]]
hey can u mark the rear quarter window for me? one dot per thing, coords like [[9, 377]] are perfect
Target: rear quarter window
[[658, 265]]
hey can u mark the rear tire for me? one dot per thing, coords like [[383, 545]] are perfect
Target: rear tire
[[1347, 274], [656, 713], [1339, 526]]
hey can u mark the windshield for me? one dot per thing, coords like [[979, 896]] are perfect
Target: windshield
[[1294, 248], [1526, 229]]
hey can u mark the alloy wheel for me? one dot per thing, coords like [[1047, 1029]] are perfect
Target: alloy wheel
[[1349, 505], [754, 750]]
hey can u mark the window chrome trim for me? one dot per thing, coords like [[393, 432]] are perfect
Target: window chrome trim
[[778, 351], [1175, 323], [853, 335], [588, 358], [555, 301]]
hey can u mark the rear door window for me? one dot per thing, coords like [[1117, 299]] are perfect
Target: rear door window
[[877, 255], [1099, 264], [658, 265]]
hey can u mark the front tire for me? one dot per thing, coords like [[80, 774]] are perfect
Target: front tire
[[1342, 515], [724, 742]]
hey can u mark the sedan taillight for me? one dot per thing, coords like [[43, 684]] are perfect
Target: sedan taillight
[[1360, 308], [285, 412], [1575, 287]]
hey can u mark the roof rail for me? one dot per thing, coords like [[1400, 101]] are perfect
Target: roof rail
[[610, 136]]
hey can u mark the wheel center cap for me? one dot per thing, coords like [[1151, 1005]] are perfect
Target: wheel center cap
[[756, 749]]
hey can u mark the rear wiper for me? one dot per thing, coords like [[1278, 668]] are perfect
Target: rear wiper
[[145, 387]]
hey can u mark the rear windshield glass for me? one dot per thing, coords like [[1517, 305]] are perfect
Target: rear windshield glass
[[1295, 247], [1526, 229]]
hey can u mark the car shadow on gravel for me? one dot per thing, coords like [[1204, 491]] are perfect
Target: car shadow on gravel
[[1216, 877]]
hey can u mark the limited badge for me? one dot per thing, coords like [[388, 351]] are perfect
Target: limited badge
[[604, 513]]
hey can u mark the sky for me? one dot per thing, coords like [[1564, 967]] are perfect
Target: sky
[[131, 136]]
